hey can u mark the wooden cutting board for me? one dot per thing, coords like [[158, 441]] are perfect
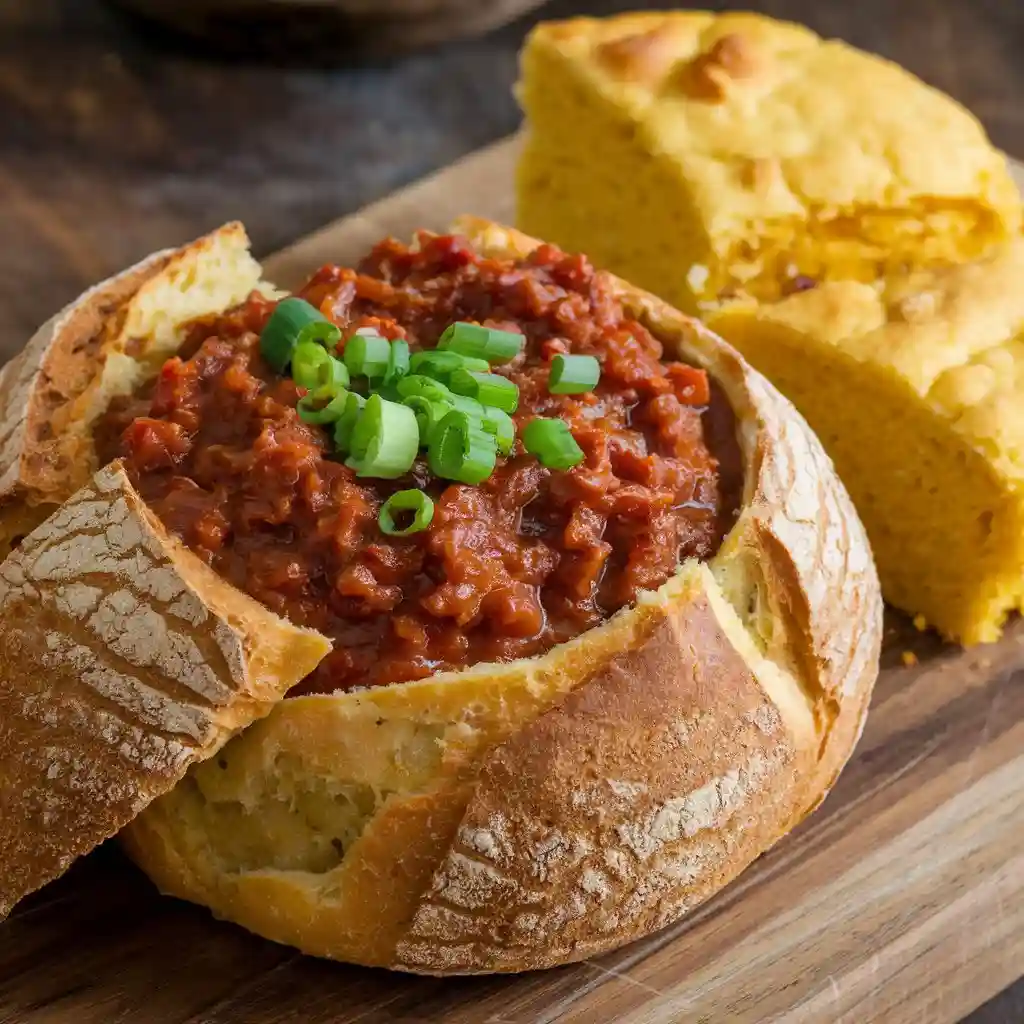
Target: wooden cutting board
[[900, 900]]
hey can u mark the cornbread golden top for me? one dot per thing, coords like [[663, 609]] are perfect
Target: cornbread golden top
[[955, 336], [768, 152], [768, 120]]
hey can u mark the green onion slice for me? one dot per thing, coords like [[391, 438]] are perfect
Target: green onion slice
[[346, 422], [316, 370], [310, 411], [441, 365], [333, 376], [460, 450], [367, 355], [307, 359], [424, 387], [481, 342], [428, 415], [501, 426], [293, 321], [398, 362], [553, 444], [468, 405], [486, 388], [385, 440], [415, 501], [573, 375]]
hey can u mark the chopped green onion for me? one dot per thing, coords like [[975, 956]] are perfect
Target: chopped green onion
[[467, 405], [481, 342], [459, 450], [424, 387], [293, 321], [440, 365], [573, 375], [398, 362], [310, 412], [367, 355], [486, 388], [385, 440], [307, 359], [415, 501], [553, 444], [346, 422], [317, 370], [501, 425], [428, 413], [333, 376]]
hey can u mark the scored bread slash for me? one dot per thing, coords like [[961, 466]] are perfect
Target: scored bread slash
[[125, 660]]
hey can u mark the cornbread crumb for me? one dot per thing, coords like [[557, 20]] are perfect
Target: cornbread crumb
[[908, 658], [924, 419], [697, 276]]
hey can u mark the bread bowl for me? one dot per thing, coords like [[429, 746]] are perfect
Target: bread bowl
[[528, 810], [701, 155]]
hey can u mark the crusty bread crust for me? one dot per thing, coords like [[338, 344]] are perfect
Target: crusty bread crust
[[124, 660], [103, 344], [522, 815]]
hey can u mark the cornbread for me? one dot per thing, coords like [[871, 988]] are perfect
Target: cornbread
[[700, 155], [917, 392]]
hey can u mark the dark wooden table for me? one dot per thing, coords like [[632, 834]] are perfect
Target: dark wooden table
[[114, 142]]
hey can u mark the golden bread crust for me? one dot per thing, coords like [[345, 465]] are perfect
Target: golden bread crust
[[932, 366], [521, 815], [755, 150], [102, 344], [125, 660]]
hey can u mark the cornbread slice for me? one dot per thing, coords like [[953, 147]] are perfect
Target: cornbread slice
[[917, 392], [699, 154]]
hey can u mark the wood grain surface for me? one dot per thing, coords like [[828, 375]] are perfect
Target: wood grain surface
[[900, 901]]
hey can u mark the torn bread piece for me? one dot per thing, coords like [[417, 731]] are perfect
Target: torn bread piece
[[104, 344], [124, 661]]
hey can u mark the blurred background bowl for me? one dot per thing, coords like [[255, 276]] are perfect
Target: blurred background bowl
[[278, 27]]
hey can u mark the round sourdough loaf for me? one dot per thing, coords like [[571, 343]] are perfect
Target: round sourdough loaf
[[526, 814]]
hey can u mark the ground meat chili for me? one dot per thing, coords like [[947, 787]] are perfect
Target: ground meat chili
[[527, 559]]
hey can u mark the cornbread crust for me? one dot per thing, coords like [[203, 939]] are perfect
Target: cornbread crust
[[917, 392], [521, 815], [700, 154]]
